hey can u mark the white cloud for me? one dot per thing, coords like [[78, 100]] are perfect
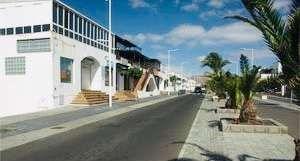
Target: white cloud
[[216, 3], [201, 58], [190, 7], [191, 35], [139, 4], [219, 13], [237, 32], [259, 54], [206, 15]]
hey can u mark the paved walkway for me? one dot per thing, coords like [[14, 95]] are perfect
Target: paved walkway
[[206, 142], [11, 126]]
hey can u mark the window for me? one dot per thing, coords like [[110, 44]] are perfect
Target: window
[[107, 75], [95, 33], [76, 23], [54, 12], [2, 31], [66, 18], [33, 45], [98, 37], [66, 70], [27, 29], [19, 30], [60, 15], [10, 31], [60, 31], [84, 27], [71, 20], [46, 27], [37, 28], [102, 34], [92, 33], [55, 28], [80, 25], [88, 29], [71, 35], [66, 33], [15, 65]]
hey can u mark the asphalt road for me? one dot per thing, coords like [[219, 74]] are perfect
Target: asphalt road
[[288, 117], [148, 134]]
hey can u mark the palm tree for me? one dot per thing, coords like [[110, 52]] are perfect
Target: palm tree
[[249, 81], [232, 87], [216, 63], [281, 34]]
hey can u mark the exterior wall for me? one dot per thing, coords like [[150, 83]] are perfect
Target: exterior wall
[[69, 48], [32, 91], [40, 87]]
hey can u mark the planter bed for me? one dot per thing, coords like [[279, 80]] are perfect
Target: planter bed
[[268, 126], [228, 113]]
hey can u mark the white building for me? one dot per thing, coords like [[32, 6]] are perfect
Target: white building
[[49, 53]]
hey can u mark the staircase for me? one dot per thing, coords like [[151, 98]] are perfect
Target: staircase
[[89, 97], [126, 96], [142, 81]]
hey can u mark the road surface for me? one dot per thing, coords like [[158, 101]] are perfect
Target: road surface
[[148, 134], [288, 117]]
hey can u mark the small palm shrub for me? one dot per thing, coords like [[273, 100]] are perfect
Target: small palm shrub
[[249, 80]]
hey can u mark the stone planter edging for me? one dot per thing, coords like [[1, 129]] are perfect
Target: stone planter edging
[[278, 128]]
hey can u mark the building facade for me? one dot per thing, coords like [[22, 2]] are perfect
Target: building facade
[[49, 54]]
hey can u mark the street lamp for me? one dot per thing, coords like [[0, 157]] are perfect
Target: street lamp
[[168, 67], [109, 54], [252, 54]]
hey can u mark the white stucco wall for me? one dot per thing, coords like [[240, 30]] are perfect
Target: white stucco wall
[[32, 91], [70, 48]]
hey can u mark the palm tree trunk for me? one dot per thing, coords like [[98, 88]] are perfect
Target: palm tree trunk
[[248, 112]]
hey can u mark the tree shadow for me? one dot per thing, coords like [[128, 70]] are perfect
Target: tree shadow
[[214, 123], [208, 110], [213, 156], [182, 159]]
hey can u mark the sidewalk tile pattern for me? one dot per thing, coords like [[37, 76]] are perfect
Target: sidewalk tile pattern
[[207, 142]]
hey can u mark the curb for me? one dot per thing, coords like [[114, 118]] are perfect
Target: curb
[[25, 138]]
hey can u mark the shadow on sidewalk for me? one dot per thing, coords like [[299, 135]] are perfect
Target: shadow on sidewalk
[[213, 156]]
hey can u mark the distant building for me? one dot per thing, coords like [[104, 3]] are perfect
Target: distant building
[[200, 79]]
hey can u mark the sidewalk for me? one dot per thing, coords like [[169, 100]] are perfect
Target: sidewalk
[[206, 142], [30, 127], [280, 103]]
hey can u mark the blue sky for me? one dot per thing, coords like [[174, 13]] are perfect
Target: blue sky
[[196, 27]]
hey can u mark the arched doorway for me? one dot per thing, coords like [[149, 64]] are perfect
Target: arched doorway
[[89, 69]]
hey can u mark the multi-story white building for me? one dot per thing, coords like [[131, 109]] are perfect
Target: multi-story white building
[[49, 53]]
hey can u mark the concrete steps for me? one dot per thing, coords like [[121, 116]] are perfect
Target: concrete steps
[[88, 97], [126, 95]]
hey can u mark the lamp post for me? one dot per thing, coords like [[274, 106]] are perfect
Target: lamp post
[[252, 54], [168, 67], [109, 54]]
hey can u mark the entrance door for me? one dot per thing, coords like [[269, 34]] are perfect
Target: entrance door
[[86, 72]]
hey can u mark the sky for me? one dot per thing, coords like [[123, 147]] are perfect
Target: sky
[[195, 27]]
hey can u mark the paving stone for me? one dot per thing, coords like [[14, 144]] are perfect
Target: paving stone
[[211, 143]]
